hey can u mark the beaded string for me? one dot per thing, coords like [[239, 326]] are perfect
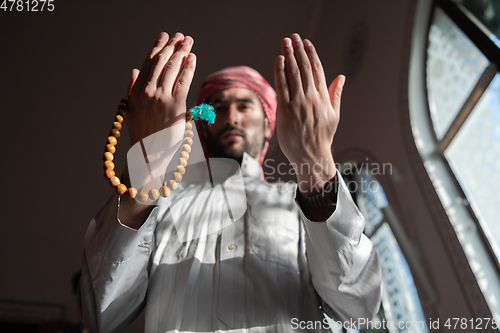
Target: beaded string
[[203, 111]]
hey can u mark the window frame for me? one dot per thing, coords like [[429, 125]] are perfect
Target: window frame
[[425, 289], [477, 34], [471, 261]]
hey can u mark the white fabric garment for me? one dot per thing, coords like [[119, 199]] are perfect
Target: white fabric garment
[[270, 270]]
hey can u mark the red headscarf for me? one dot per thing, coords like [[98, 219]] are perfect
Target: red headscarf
[[242, 77]]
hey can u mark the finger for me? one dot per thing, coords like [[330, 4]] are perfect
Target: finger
[[317, 68], [303, 62], [335, 92], [135, 74], [173, 67], [182, 85], [161, 59], [292, 71], [160, 43], [282, 93]]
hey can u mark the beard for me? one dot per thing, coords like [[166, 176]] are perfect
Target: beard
[[251, 145]]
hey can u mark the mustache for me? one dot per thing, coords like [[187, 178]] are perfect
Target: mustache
[[231, 128]]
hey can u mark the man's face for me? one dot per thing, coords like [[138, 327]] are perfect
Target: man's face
[[240, 125]]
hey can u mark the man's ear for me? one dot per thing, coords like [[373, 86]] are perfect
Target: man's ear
[[267, 129]]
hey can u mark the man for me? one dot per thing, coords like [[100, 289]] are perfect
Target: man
[[273, 268]]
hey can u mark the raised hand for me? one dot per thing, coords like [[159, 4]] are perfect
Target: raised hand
[[308, 112], [157, 100], [159, 91]]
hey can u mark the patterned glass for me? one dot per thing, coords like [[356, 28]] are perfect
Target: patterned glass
[[400, 301], [454, 65], [488, 12], [400, 298], [474, 156], [371, 201]]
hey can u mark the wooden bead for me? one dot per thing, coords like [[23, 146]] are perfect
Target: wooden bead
[[121, 188], [186, 148], [116, 133], [154, 194], [165, 191], [112, 140], [109, 165], [180, 169], [110, 148], [177, 176], [132, 192], [108, 156], [115, 181], [172, 184], [143, 196], [124, 100]]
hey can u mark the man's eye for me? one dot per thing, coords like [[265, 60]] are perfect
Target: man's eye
[[220, 108]]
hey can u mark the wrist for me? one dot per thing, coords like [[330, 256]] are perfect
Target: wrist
[[312, 175], [326, 198]]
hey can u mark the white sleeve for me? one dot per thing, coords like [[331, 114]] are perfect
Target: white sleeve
[[115, 270], [343, 262]]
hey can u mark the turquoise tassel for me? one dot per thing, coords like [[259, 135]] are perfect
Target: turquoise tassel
[[203, 112]]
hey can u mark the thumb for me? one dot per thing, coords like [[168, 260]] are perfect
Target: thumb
[[335, 92], [135, 74]]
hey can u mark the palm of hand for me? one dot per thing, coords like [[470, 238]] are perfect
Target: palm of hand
[[308, 113]]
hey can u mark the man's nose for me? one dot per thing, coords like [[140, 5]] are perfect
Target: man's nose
[[233, 115]]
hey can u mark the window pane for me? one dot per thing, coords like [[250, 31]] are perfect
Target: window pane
[[474, 156], [400, 301], [400, 298], [371, 201], [487, 11], [454, 65]]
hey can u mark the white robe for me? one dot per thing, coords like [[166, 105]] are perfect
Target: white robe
[[212, 260]]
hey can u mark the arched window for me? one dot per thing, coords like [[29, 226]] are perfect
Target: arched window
[[458, 132], [401, 305]]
